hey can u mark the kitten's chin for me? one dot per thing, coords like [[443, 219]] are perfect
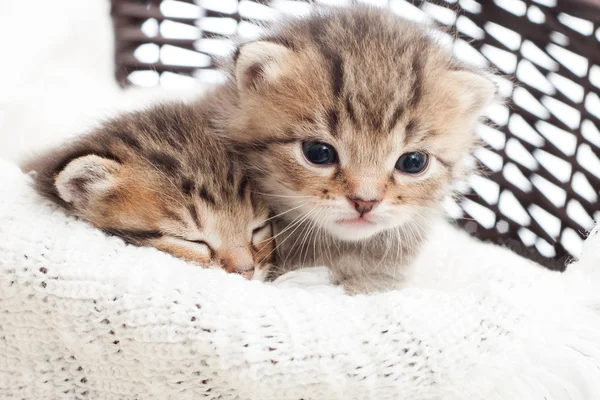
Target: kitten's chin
[[353, 230]]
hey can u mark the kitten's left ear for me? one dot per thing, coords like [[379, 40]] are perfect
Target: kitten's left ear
[[473, 91], [86, 179], [257, 63]]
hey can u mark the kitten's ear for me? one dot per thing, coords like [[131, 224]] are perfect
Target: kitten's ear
[[259, 62], [86, 178], [474, 92]]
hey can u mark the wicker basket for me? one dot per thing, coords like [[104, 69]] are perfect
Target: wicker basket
[[541, 182]]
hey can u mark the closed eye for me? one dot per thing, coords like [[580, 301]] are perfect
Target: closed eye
[[206, 247], [262, 233], [261, 227]]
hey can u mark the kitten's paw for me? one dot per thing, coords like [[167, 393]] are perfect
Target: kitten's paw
[[368, 284], [314, 278]]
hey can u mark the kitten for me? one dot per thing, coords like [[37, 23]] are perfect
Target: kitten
[[159, 178], [355, 125]]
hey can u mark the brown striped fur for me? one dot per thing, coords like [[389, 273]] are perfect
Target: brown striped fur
[[374, 86], [159, 177]]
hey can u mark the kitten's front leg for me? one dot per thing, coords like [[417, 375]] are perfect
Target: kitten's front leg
[[368, 284]]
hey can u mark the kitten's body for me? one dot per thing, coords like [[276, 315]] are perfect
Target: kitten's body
[[160, 177], [334, 113]]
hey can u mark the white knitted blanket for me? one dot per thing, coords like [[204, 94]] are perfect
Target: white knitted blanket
[[84, 316]]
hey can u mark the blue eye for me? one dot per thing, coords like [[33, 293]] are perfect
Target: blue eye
[[319, 153], [412, 163]]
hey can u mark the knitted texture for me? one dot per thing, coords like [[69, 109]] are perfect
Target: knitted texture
[[83, 315]]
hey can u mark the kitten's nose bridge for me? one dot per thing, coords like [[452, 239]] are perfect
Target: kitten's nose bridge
[[368, 186]]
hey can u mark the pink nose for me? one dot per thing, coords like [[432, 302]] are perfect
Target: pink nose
[[362, 206]]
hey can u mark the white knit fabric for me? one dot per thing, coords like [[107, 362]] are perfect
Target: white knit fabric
[[84, 316]]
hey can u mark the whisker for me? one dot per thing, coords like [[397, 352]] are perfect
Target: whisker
[[387, 249], [298, 236], [314, 225], [296, 224], [289, 226], [285, 212], [328, 246], [282, 196]]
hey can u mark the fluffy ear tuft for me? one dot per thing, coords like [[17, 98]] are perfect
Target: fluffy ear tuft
[[259, 62], [475, 92], [85, 179]]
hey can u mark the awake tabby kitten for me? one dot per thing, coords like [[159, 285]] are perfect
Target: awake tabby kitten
[[355, 124], [159, 178]]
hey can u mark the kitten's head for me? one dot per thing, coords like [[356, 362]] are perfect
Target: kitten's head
[[156, 178], [355, 118]]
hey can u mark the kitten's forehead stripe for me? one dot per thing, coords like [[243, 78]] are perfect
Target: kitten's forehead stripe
[[410, 129], [164, 162], [332, 57], [317, 31], [395, 117], [350, 112], [417, 72], [173, 216], [337, 71], [333, 120], [194, 214], [204, 194], [243, 185], [231, 169], [374, 118], [129, 140], [254, 201], [308, 120]]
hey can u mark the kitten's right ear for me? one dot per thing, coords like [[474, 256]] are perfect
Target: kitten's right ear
[[474, 92], [257, 63], [86, 178]]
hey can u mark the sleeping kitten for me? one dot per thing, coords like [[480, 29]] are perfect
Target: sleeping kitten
[[355, 125], [159, 178]]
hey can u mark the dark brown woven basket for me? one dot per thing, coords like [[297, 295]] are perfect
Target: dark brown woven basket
[[539, 192]]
